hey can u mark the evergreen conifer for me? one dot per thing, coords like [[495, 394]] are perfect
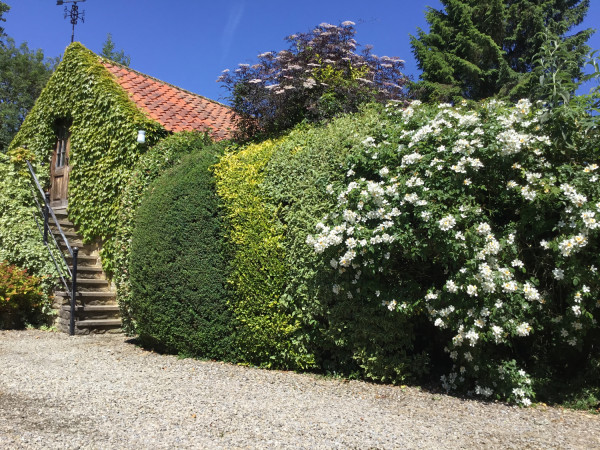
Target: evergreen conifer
[[479, 49]]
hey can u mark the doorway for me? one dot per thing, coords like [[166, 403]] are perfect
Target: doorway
[[59, 168]]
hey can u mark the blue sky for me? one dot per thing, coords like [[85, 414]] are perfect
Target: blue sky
[[188, 43]]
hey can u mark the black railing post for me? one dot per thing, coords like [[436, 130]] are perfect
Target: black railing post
[[46, 214], [73, 292]]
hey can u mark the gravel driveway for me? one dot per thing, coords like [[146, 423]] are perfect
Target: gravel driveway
[[100, 391]]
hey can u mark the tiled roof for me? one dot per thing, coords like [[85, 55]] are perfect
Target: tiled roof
[[174, 108]]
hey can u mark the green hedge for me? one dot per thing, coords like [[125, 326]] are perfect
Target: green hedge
[[266, 334], [274, 193], [346, 335], [178, 263], [150, 166]]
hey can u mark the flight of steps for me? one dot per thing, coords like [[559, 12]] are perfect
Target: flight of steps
[[96, 309]]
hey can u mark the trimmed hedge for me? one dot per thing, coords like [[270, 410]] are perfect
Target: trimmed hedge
[[178, 264], [164, 155], [258, 271]]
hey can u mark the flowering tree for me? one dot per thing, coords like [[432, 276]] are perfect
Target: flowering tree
[[475, 218], [319, 76]]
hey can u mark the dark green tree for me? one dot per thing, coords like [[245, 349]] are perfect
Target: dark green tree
[[109, 52], [23, 75], [482, 48], [3, 8]]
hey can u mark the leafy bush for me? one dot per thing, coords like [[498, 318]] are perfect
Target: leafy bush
[[178, 263], [346, 335], [21, 295], [273, 194], [477, 218], [318, 77], [258, 271], [20, 241], [150, 166]]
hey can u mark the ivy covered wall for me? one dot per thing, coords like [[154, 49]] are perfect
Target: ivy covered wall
[[104, 125]]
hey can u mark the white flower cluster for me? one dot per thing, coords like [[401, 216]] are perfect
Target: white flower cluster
[[573, 244], [572, 195], [447, 223]]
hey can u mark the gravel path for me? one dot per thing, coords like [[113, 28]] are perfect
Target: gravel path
[[103, 392]]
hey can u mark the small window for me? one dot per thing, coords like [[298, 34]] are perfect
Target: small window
[[61, 146]]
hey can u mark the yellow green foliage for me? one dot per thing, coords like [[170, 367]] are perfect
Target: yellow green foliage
[[266, 336]]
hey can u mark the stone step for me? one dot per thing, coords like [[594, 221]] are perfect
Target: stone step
[[71, 235], [89, 272], [92, 312], [91, 326], [88, 298], [99, 323], [60, 213], [83, 260], [65, 225], [73, 242], [92, 285], [84, 250]]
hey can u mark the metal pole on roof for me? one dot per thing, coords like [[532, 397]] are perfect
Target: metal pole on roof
[[74, 14]]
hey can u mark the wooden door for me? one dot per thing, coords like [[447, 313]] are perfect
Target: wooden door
[[59, 169]]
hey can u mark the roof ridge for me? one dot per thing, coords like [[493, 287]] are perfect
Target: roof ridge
[[114, 63]]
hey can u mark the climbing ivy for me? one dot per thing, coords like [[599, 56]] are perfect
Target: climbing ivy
[[20, 240], [104, 124]]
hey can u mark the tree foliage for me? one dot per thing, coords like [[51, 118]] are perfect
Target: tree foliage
[[3, 8], [479, 49], [23, 75], [319, 76], [109, 52]]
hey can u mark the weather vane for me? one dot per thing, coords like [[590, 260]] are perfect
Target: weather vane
[[74, 13]]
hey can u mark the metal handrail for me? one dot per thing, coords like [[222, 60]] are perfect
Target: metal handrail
[[68, 275]]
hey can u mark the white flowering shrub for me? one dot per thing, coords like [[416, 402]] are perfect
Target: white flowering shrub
[[475, 218]]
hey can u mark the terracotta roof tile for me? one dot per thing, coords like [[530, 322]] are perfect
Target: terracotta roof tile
[[174, 108]]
